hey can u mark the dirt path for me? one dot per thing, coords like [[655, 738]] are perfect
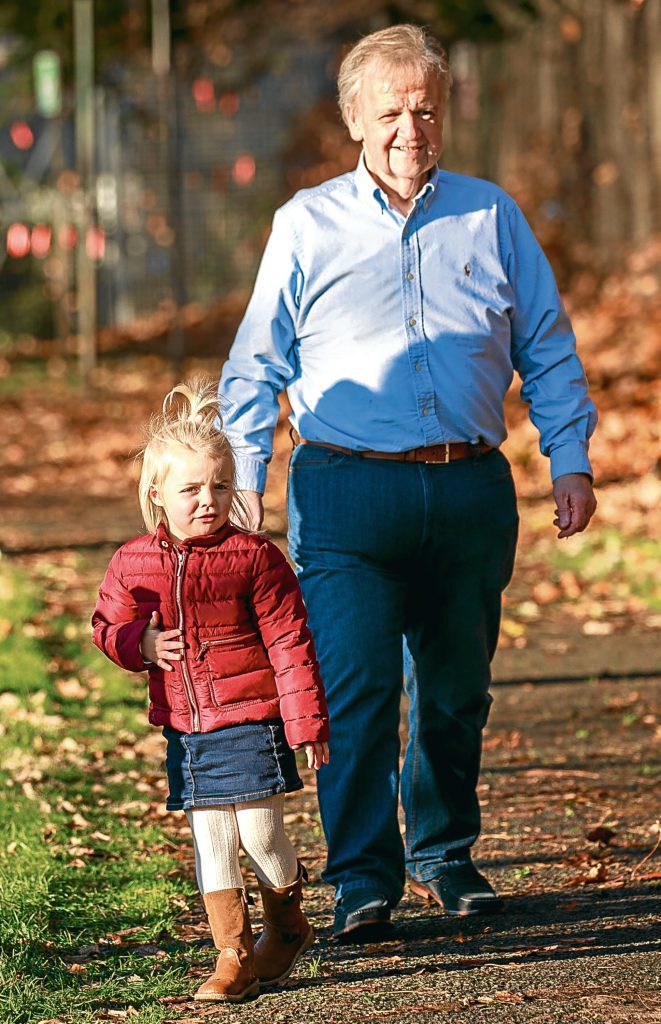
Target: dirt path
[[569, 795], [569, 818]]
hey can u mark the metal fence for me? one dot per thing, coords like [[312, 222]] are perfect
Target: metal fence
[[187, 178]]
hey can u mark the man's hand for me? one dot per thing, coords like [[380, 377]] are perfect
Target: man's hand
[[255, 508], [161, 646], [575, 503], [316, 753]]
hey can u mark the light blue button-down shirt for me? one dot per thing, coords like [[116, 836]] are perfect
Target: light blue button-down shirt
[[391, 332]]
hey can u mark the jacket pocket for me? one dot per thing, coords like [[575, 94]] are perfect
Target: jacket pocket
[[216, 645], [231, 664], [247, 688]]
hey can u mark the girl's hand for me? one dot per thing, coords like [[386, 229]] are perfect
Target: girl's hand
[[161, 646], [317, 754]]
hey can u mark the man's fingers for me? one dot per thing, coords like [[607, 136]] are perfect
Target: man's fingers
[[574, 519], [575, 503], [563, 517]]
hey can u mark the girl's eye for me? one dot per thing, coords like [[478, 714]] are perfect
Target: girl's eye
[[221, 487]]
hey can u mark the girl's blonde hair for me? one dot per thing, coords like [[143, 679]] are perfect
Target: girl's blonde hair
[[190, 419]]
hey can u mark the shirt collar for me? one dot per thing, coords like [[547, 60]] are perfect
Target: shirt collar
[[367, 188]]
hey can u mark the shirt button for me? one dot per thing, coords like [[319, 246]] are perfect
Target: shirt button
[[409, 276], [418, 367], [425, 412], [412, 322]]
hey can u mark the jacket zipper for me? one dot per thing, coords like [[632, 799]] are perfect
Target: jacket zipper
[[195, 711], [206, 644]]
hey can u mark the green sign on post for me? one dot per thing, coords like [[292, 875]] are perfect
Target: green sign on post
[[47, 83]]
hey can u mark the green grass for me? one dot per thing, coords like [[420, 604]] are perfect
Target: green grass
[[89, 888]]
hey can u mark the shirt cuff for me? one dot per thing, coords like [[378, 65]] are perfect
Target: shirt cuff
[[250, 475], [570, 458]]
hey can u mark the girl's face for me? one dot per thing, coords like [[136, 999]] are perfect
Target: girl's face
[[196, 494]]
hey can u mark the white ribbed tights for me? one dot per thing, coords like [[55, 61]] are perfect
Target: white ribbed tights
[[258, 827]]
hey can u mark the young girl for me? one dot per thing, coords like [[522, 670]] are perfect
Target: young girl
[[215, 616]]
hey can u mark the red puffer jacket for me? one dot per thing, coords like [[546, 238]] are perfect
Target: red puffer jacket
[[249, 654]]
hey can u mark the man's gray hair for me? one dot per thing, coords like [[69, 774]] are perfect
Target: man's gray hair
[[400, 46]]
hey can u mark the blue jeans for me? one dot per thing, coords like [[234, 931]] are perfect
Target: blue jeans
[[388, 550]]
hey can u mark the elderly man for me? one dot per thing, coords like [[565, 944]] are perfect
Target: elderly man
[[393, 303]]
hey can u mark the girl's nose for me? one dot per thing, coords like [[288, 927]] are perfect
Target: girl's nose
[[207, 497]]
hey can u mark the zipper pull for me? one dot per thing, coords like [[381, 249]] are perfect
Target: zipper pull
[[202, 652]]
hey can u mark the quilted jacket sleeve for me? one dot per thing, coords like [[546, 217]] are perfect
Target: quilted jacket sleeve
[[280, 612], [117, 627]]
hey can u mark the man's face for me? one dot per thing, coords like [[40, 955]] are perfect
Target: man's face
[[398, 117]]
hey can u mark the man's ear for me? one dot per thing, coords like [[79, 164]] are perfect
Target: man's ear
[[354, 124], [154, 497]]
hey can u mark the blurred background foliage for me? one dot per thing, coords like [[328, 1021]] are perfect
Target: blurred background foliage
[[557, 100]]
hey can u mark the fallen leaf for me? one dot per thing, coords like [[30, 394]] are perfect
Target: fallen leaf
[[71, 689], [508, 997], [545, 592], [600, 834], [595, 627]]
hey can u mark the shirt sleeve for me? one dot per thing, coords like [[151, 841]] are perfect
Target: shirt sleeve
[[262, 359], [544, 351]]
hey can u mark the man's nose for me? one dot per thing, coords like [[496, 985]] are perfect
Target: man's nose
[[407, 125]]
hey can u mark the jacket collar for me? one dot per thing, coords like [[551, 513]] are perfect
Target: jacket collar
[[164, 539]]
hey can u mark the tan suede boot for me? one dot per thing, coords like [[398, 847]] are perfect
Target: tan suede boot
[[234, 978], [287, 932]]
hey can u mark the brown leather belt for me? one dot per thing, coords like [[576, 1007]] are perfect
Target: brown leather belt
[[433, 453]]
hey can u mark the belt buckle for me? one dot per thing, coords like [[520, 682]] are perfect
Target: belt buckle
[[443, 461]]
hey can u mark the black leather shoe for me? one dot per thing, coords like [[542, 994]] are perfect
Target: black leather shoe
[[460, 890], [361, 917]]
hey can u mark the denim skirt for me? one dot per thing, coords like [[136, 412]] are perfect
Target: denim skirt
[[232, 765]]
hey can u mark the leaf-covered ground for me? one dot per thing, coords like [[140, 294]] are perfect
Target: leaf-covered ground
[[98, 914]]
